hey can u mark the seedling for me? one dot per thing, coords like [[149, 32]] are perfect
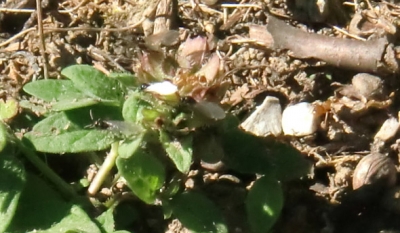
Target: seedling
[[150, 134]]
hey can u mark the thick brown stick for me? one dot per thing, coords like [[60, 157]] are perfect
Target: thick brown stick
[[365, 56]]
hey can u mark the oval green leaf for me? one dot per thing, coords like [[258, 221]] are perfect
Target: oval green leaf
[[197, 213], [128, 147], [179, 150], [71, 142], [53, 90], [64, 105], [132, 108], [144, 174], [8, 109], [264, 204], [93, 83]]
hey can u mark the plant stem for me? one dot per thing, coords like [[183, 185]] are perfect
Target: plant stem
[[66, 190], [105, 168]]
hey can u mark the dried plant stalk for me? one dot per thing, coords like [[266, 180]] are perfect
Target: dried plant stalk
[[365, 56]]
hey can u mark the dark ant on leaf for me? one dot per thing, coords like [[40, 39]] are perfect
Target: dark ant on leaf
[[188, 100], [143, 86]]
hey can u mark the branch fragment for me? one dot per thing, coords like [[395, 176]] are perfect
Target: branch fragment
[[375, 56]]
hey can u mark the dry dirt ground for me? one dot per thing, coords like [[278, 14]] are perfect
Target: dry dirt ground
[[268, 47]]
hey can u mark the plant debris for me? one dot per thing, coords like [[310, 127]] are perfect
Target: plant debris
[[365, 56]]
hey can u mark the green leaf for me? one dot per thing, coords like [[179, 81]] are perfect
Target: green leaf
[[70, 131], [106, 219], [129, 146], [127, 79], [93, 83], [57, 122], [132, 108], [179, 150], [198, 213], [3, 136], [144, 174], [53, 90], [287, 162], [8, 109], [41, 210], [264, 204], [12, 180], [71, 142], [64, 105], [244, 152], [63, 94]]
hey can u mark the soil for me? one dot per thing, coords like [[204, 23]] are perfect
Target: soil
[[259, 61]]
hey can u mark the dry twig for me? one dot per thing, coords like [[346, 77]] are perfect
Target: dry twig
[[41, 38], [365, 56]]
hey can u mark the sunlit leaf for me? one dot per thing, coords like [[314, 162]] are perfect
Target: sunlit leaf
[[264, 204], [53, 90], [71, 142], [126, 79], [129, 146], [132, 108], [64, 105], [179, 150], [93, 83], [197, 213], [143, 173], [3, 136], [71, 131], [8, 109]]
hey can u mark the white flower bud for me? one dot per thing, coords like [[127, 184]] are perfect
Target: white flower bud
[[162, 88]]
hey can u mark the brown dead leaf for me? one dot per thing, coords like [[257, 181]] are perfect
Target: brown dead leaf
[[191, 52], [238, 95], [211, 68]]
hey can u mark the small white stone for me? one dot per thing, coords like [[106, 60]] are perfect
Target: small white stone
[[162, 88], [300, 120], [388, 129], [266, 119]]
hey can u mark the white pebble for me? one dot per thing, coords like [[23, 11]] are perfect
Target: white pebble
[[300, 120], [388, 129]]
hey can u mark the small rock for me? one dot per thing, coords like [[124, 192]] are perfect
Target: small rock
[[300, 120], [266, 119], [367, 85], [388, 129]]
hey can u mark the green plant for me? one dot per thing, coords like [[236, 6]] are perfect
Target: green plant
[[151, 136]]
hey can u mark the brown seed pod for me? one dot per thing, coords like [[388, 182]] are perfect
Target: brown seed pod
[[374, 169]]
